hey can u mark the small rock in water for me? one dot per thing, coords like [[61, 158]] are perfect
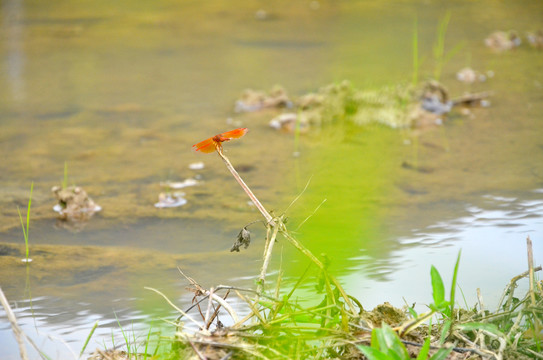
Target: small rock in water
[[289, 121], [503, 40], [254, 100], [74, 203], [535, 39], [261, 14], [170, 200], [468, 75]]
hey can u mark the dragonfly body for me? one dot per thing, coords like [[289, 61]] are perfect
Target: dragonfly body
[[215, 142]]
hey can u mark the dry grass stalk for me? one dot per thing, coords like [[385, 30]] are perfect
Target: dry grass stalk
[[531, 269], [17, 331]]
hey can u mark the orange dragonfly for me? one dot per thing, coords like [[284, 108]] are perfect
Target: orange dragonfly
[[214, 143]]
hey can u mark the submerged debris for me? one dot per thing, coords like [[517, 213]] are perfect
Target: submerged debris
[[74, 204], [338, 101], [535, 39], [169, 200], [468, 75], [503, 40], [289, 122], [400, 106], [255, 100], [109, 355]]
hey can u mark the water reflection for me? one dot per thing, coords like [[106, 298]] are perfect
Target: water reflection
[[491, 235], [12, 27]]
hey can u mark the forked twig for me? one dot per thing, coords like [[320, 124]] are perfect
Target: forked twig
[[279, 224]]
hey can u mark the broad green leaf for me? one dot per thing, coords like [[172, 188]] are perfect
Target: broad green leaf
[[437, 287], [453, 285], [373, 354], [374, 339], [423, 353], [391, 343]]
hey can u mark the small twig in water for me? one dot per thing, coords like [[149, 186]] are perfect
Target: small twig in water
[[17, 331]]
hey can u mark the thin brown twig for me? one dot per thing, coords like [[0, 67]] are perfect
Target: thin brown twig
[[270, 241], [216, 313], [244, 186], [17, 331], [198, 353]]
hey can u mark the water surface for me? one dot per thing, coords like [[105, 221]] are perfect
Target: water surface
[[121, 91]]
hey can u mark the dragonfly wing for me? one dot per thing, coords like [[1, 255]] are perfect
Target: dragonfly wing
[[234, 134], [206, 146]]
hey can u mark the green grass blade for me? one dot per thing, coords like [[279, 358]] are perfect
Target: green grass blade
[[126, 338], [147, 343], [373, 354], [445, 331], [424, 350], [28, 210], [26, 229], [22, 224], [28, 220], [438, 290], [453, 285], [88, 339]]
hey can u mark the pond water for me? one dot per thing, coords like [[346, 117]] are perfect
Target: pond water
[[120, 91]]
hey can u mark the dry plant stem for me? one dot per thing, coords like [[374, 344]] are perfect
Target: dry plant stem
[[245, 188], [531, 268], [15, 327], [225, 305], [481, 303], [198, 353], [209, 306], [539, 356], [512, 285], [270, 241]]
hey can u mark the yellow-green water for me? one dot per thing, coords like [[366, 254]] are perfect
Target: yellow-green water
[[120, 91]]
